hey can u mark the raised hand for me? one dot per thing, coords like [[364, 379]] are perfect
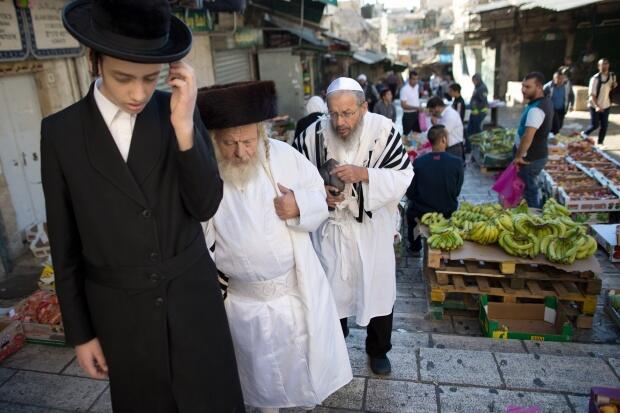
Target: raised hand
[[182, 80]]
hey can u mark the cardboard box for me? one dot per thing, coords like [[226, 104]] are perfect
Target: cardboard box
[[598, 394], [525, 321], [605, 235], [11, 338]]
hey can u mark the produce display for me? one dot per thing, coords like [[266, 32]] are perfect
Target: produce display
[[564, 139], [497, 142], [518, 231], [577, 184], [41, 307]]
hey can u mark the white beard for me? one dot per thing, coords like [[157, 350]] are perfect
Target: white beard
[[336, 144], [237, 174]]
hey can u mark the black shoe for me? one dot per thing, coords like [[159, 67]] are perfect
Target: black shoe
[[380, 365]]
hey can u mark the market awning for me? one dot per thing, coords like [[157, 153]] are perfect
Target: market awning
[[304, 33], [312, 10], [368, 57], [555, 5]]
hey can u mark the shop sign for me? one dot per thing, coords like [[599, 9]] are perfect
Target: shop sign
[[196, 20], [247, 37], [47, 33], [13, 43]]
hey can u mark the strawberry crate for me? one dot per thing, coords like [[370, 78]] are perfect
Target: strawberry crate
[[589, 199]]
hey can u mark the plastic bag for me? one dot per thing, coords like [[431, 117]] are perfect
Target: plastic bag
[[509, 187]]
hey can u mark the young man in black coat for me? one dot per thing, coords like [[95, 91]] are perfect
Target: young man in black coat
[[436, 184], [128, 174]]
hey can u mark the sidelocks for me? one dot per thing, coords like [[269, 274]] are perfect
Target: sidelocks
[[518, 231]]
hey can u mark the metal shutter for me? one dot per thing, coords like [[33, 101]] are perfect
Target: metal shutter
[[232, 66]]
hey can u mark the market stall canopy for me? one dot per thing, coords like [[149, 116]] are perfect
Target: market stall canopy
[[312, 10], [305, 33], [332, 2], [368, 57], [555, 5]]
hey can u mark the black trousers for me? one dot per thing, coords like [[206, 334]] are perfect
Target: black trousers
[[411, 122], [558, 120], [378, 334]]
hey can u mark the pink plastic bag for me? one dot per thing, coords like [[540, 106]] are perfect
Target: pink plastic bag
[[509, 187], [516, 409], [422, 121]]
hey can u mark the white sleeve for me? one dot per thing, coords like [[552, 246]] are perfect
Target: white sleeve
[[535, 118], [386, 186], [310, 197]]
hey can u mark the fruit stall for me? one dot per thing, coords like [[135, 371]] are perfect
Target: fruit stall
[[585, 180], [493, 149], [485, 254]]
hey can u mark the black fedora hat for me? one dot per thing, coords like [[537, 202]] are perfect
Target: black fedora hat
[[141, 31]]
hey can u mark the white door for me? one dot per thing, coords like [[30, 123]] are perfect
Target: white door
[[20, 131]]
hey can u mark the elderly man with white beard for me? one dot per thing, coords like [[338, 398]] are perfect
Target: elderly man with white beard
[[355, 245], [282, 316]]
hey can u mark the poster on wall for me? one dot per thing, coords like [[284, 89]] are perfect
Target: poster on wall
[[13, 43], [48, 36]]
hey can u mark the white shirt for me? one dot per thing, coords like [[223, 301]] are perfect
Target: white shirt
[[451, 119], [535, 118], [411, 96], [603, 97], [119, 123]]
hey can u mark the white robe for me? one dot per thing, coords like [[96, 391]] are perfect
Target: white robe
[[355, 245], [290, 350]]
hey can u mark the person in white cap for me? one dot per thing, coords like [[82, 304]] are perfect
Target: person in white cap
[[370, 91], [282, 315], [355, 244]]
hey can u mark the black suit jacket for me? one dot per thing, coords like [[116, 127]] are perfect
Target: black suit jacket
[[115, 229]]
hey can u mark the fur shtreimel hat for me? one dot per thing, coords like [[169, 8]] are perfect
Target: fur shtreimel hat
[[141, 31], [237, 104]]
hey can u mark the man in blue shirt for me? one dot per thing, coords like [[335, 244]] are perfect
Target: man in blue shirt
[[530, 151], [436, 184], [560, 91]]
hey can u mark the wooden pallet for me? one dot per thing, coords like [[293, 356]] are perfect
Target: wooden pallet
[[435, 259], [440, 260], [500, 289], [517, 280]]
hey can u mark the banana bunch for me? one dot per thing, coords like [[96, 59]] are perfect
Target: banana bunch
[[489, 210], [520, 245], [438, 227], [504, 222], [432, 218], [553, 209], [469, 215], [530, 224], [522, 208], [447, 239], [575, 244], [484, 232]]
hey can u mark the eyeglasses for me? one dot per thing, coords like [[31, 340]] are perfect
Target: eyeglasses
[[344, 115]]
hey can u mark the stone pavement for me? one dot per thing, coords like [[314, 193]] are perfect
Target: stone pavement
[[438, 365]]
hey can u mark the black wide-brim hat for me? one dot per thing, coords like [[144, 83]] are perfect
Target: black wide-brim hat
[[237, 104], [140, 31]]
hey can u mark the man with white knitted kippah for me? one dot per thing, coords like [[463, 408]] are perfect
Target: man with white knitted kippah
[[364, 152]]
